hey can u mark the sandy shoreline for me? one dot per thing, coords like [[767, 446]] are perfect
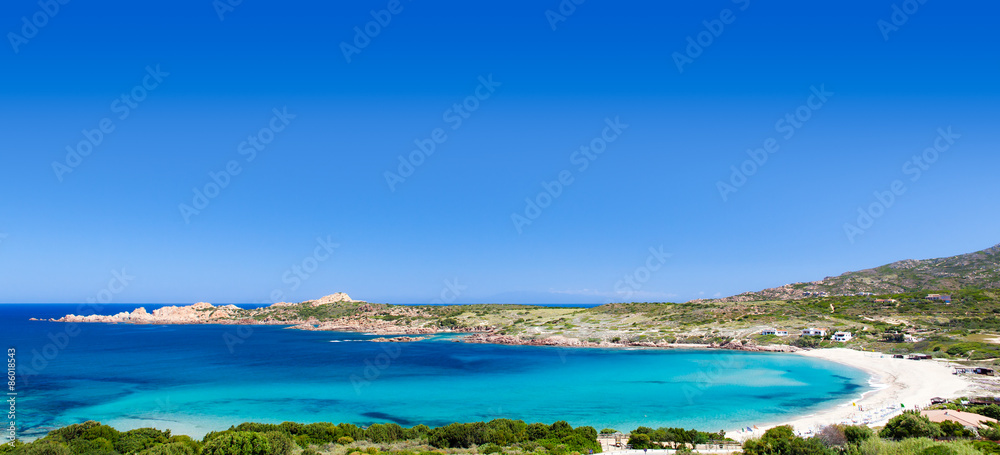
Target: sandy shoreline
[[897, 382]]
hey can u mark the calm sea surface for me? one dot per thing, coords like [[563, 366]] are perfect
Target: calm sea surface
[[195, 379]]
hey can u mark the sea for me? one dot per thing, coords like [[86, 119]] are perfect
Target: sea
[[193, 379]]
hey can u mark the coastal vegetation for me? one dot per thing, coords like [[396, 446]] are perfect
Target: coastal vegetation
[[890, 309], [966, 329], [648, 438], [496, 436], [908, 433]]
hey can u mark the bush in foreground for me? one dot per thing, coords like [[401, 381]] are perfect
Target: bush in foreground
[[782, 440], [910, 424]]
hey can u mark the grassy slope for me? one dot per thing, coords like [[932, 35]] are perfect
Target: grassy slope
[[970, 321]]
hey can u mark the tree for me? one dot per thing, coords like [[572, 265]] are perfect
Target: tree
[[92, 446], [281, 443], [832, 436], [807, 341], [238, 443], [174, 448], [954, 430], [910, 424], [990, 430], [639, 441], [990, 410], [781, 440], [893, 337], [855, 434], [44, 447]]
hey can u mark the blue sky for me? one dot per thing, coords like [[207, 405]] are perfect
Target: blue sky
[[313, 212]]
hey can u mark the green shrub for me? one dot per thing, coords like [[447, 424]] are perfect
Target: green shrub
[[174, 448], [987, 447], [91, 446], [44, 447], [990, 410], [238, 443], [281, 443], [990, 430], [639, 441], [781, 440], [855, 434], [910, 424], [489, 448], [345, 440], [955, 430]]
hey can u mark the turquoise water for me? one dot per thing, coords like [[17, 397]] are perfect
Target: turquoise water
[[194, 379]]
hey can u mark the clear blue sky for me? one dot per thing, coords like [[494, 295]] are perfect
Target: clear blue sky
[[323, 175]]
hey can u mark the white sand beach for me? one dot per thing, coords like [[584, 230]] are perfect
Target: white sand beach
[[900, 384]]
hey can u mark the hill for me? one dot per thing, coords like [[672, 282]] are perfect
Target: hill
[[979, 270]]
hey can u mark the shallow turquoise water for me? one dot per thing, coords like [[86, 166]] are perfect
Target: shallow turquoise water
[[195, 379]]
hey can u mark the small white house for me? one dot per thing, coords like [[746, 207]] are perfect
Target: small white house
[[814, 332], [780, 333], [842, 336]]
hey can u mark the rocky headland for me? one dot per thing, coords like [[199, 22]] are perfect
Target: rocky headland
[[393, 323]]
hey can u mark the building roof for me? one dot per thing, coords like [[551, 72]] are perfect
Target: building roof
[[967, 419]]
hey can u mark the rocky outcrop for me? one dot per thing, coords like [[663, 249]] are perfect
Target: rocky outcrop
[[397, 339], [333, 298], [199, 313]]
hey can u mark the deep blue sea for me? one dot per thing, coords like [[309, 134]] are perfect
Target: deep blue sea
[[195, 379]]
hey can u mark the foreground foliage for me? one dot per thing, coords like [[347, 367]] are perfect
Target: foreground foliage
[[905, 434], [93, 438]]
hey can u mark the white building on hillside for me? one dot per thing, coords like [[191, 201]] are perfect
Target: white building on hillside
[[842, 336], [814, 332]]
